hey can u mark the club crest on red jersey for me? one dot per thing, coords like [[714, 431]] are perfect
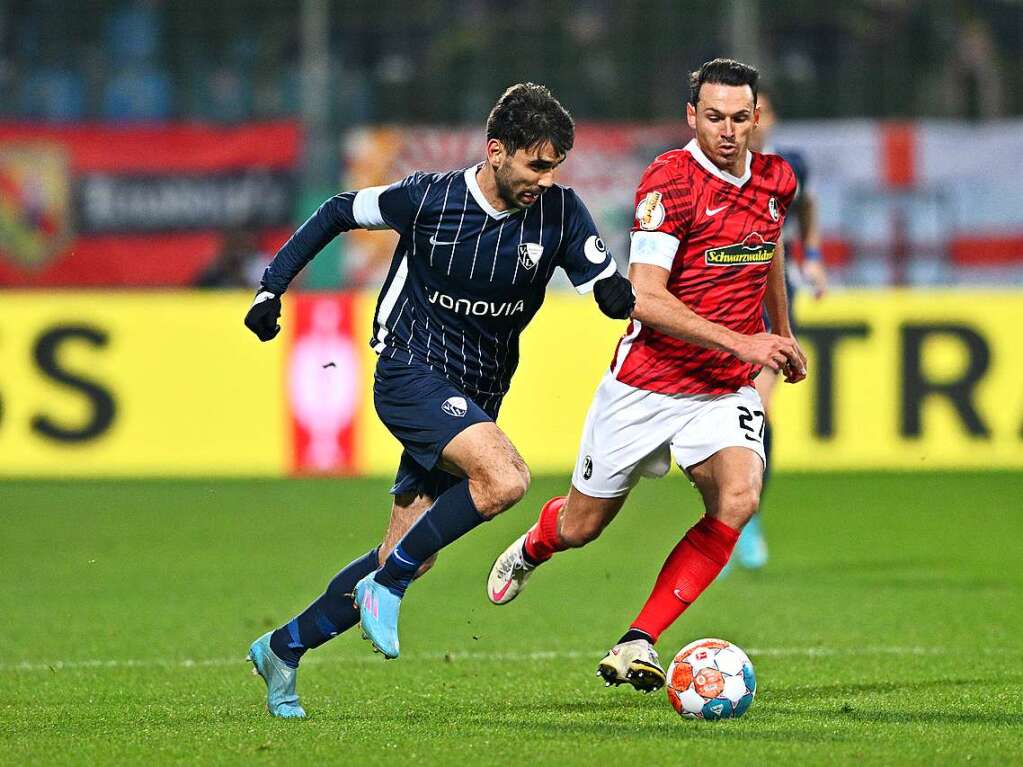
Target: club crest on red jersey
[[752, 250], [772, 208], [650, 211]]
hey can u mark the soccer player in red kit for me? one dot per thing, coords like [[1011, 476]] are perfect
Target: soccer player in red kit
[[706, 255]]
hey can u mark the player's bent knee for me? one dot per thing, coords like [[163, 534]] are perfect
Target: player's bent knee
[[737, 504], [511, 489], [500, 491]]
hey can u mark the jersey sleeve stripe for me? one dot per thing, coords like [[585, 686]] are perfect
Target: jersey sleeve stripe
[[366, 208], [655, 248], [607, 271]]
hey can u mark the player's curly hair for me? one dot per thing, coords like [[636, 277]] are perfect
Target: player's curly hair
[[723, 72], [526, 115]]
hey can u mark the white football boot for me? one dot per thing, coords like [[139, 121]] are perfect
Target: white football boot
[[509, 574], [634, 663]]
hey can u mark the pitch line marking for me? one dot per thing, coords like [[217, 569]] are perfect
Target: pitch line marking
[[118, 663]]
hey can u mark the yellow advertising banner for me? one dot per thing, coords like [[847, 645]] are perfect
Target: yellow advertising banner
[[160, 383], [171, 383], [906, 380], [898, 380]]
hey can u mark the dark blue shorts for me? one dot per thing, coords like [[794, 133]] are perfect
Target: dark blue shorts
[[424, 411]]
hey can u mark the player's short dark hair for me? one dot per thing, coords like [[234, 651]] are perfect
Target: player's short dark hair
[[723, 72], [526, 115]]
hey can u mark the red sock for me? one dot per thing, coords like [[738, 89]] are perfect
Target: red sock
[[542, 540], [690, 568]]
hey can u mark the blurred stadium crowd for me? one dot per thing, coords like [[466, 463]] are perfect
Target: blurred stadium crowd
[[132, 60], [233, 119]]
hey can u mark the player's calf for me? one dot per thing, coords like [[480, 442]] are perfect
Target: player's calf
[[579, 528], [569, 523]]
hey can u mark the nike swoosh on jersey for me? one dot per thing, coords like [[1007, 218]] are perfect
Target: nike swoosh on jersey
[[435, 241], [714, 211]]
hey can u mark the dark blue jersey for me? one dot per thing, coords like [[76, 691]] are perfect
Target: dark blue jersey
[[792, 231], [799, 166], [465, 279]]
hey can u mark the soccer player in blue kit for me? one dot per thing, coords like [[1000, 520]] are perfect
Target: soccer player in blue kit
[[477, 248]]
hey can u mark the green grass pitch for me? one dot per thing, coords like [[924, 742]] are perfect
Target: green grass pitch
[[885, 629]]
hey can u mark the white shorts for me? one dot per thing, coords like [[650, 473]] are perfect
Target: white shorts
[[632, 433]]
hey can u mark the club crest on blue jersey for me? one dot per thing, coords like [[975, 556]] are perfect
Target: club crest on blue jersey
[[530, 254]]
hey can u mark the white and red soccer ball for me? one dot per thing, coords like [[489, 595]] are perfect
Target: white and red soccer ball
[[711, 679]]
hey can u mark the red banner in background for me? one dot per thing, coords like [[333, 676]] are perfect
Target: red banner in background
[[139, 206], [324, 383]]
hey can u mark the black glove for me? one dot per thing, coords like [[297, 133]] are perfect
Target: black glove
[[263, 315], [615, 296]]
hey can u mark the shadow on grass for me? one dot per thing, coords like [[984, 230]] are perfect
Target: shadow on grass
[[819, 701], [910, 686], [588, 722], [867, 716], [859, 567]]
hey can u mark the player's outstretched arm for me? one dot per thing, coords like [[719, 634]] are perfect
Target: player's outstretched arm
[[657, 308], [336, 215], [378, 207]]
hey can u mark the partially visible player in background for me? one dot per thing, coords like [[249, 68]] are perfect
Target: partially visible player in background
[[706, 255], [802, 238], [477, 248]]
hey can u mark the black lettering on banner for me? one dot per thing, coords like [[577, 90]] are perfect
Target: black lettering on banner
[[826, 339], [916, 387], [47, 353]]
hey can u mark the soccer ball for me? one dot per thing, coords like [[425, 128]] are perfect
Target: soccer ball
[[711, 679]]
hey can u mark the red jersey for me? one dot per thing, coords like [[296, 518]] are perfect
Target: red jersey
[[725, 231]]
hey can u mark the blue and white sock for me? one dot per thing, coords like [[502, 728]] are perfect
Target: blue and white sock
[[451, 516], [333, 613]]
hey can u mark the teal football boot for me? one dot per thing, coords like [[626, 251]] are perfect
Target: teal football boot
[[281, 699], [378, 615], [751, 548]]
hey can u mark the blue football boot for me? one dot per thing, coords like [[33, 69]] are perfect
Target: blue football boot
[[751, 548], [281, 699], [378, 615]]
